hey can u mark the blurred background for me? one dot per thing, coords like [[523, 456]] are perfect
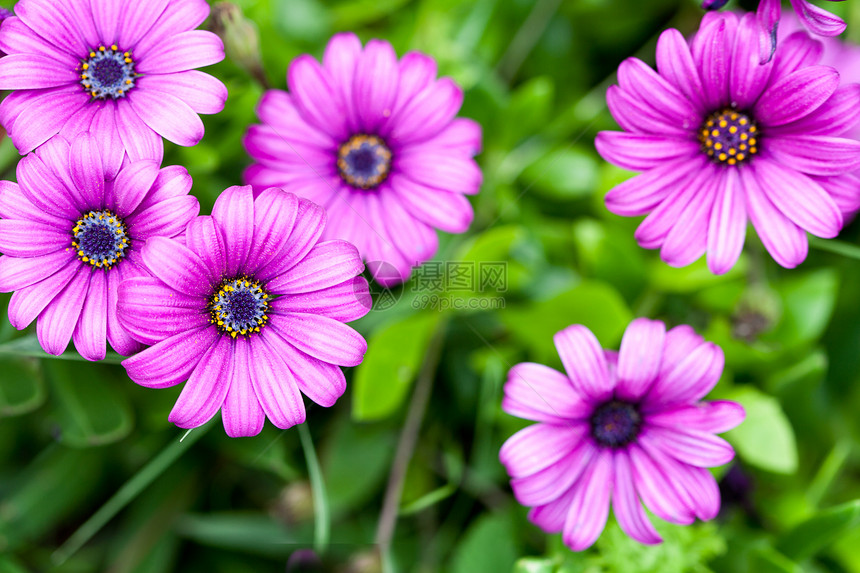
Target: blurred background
[[94, 478]]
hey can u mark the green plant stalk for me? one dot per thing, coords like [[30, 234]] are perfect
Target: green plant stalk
[[322, 519], [124, 495]]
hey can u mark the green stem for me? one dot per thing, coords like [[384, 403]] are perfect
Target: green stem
[[838, 247], [130, 490], [322, 521], [828, 471]]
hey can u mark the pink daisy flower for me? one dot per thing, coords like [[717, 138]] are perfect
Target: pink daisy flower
[[70, 233], [250, 310], [374, 140], [121, 69], [619, 428], [723, 140]]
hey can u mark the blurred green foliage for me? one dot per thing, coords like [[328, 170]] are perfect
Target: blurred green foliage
[[78, 440]]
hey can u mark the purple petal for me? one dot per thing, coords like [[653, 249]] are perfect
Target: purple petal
[[589, 507], [204, 238], [180, 15], [152, 311], [748, 76], [625, 503], [327, 264], [275, 386], [307, 229], [635, 116], [818, 20], [136, 19], [709, 417], [17, 273], [277, 109], [341, 56], [106, 15], [241, 412], [462, 135], [28, 239], [796, 95], [34, 71], [551, 517], [91, 331], [727, 226], [638, 79], [168, 116], [417, 71], [696, 486], [57, 322], [42, 114], [584, 362], [345, 302], [843, 189], [15, 205], [234, 214], [836, 116], [85, 166], [375, 85], [52, 20], [417, 241], [539, 446], [680, 342], [274, 215], [641, 194], [28, 302], [321, 337], [173, 181], [180, 52], [690, 380], [687, 240], [168, 218], [139, 140], [172, 360], [797, 51], [445, 210], [691, 447], [785, 241], [659, 494], [206, 389], [675, 63], [117, 336], [800, 198], [44, 189], [17, 38], [552, 482], [539, 393], [315, 97], [320, 381], [640, 152], [176, 266], [426, 114], [816, 154], [652, 232], [711, 50], [440, 170], [639, 357], [202, 92]]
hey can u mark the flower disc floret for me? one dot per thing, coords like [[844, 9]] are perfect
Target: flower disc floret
[[108, 73], [100, 238], [364, 161], [729, 136], [615, 423], [239, 307]]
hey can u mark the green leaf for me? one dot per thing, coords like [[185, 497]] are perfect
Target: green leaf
[[89, 409], [528, 109], [766, 559], [765, 439], [428, 499], [488, 546], [394, 355], [593, 304], [21, 386], [534, 565], [562, 175], [819, 531], [693, 278], [29, 346], [808, 302], [247, 532]]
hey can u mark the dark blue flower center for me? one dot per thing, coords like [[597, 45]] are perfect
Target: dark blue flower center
[[364, 161], [615, 424], [100, 238], [239, 307], [729, 137], [108, 72]]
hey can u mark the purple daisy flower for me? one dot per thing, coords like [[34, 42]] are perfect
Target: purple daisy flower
[[625, 427], [70, 234], [251, 313], [723, 139], [121, 69], [375, 141]]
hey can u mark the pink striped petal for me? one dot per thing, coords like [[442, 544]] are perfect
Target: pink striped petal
[[589, 507], [173, 359], [785, 241], [204, 393], [275, 386], [539, 393], [321, 337], [241, 412], [727, 225], [57, 322], [626, 505], [584, 362], [639, 357]]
